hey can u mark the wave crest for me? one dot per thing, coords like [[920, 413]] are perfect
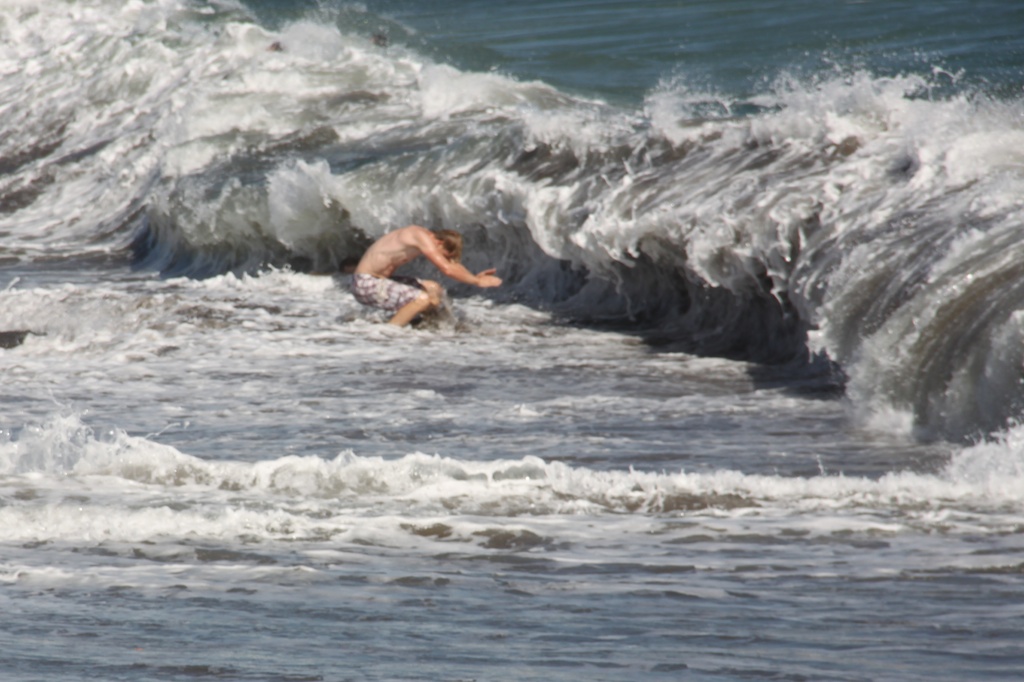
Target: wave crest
[[870, 220]]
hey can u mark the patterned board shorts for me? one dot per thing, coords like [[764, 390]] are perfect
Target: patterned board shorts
[[389, 294]]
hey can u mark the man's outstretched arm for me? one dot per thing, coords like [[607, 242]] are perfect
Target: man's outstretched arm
[[428, 246]]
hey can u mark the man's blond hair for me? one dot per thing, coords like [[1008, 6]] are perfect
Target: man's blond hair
[[451, 242]]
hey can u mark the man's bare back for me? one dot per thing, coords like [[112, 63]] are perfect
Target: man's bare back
[[394, 250]]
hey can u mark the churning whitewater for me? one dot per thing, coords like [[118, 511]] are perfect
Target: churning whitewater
[[878, 214], [747, 405]]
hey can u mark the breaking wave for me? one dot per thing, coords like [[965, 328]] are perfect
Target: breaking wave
[[869, 220]]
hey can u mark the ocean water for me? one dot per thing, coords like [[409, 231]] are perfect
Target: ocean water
[[747, 406]]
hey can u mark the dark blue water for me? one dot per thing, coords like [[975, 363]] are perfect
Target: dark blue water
[[622, 50]]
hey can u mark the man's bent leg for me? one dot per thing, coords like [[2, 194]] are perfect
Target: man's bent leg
[[409, 311]]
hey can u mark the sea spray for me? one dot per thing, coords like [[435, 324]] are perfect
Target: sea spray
[[849, 215]]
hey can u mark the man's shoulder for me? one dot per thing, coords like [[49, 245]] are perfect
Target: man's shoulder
[[412, 235], [413, 230]]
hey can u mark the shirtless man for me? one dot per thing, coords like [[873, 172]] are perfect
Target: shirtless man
[[375, 284]]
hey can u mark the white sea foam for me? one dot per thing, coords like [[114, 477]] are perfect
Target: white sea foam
[[116, 487]]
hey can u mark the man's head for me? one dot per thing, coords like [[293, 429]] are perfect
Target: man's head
[[451, 243]]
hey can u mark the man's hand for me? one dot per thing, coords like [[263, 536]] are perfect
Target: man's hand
[[486, 279]]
